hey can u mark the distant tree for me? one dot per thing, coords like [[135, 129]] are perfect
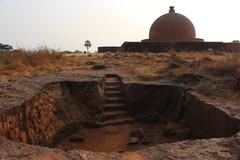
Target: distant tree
[[76, 51], [87, 44], [67, 52], [235, 41], [5, 47]]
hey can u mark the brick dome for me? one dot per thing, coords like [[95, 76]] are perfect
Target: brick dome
[[172, 27]]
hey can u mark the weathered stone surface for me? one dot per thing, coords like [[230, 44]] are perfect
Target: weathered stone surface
[[14, 94], [222, 148]]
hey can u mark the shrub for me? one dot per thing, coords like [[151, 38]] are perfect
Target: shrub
[[175, 61], [107, 55], [222, 69], [206, 88], [175, 58], [98, 66], [189, 78], [226, 67]]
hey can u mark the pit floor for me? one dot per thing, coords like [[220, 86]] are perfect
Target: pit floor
[[115, 138]]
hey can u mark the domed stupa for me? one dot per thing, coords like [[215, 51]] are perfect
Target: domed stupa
[[172, 31], [172, 27]]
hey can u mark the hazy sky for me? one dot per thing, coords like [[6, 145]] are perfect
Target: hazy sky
[[66, 24]]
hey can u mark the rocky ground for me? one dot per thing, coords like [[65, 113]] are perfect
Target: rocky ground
[[215, 75], [16, 89], [222, 148]]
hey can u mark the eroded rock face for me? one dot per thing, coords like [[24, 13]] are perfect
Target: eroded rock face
[[208, 120], [58, 105], [205, 120]]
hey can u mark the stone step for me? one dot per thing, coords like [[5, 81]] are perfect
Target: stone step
[[114, 107], [111, 80], [112, 83], [108, 100], [111, 115], [116, 121], [110, 96], [113, 93], [113, 88]]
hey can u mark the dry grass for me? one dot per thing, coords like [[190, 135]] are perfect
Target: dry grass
[[228, 67], [146, 73], [223, 69], [182, 67], [29, 61]]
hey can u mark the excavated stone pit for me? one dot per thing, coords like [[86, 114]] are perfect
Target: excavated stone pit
[[68, 115]]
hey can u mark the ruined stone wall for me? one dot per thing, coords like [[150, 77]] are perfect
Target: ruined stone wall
[[38, 121], [108, 49], [179, 46]]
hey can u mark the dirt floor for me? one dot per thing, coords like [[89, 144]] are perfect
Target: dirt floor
[[116, 138]]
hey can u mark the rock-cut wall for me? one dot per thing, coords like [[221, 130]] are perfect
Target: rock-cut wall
[[152, 102], [39, 120], [207, 120]]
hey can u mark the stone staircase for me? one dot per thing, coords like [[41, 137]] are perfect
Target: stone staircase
[[114, 107]]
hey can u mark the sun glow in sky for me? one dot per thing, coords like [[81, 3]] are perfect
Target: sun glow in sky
[[66, 24]]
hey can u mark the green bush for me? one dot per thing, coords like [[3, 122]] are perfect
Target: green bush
[[98, 66]]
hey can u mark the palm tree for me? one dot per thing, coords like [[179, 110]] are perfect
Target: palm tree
[[87, 44]]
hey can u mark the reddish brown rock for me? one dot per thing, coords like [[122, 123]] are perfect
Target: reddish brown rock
[[34, 122]]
